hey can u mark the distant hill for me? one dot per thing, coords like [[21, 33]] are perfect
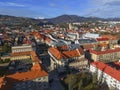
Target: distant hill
[[12, 20], [75, 18], [70, 18]]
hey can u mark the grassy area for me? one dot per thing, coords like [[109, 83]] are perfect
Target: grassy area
[[81, 81], [4, 61]]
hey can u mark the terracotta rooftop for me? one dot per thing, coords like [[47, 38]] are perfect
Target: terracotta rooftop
[[64, 54], [107, 69], [102, 39], [55, 52], [109, 36], [71, 54], [35, 72], [37, 34], [106, 51]]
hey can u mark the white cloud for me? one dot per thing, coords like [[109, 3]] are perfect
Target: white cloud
[[104, 8], [11, 4]]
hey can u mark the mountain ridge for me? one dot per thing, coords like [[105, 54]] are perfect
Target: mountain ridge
[[56, 20]]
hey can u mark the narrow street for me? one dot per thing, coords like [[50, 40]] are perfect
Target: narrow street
[[55, 84]]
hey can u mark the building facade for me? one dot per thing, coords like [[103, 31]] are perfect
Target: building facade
[[106, 56], [60, 59], [106, 74], [23, 48]]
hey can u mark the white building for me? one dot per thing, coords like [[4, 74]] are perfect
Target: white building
[[91, 35], [106, 74], [24, 48]]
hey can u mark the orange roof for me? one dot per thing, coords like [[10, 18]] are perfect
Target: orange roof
[[102, 39], [64, 47], [23, 76], [71, 54], [65, 54], [109, 36], [37, 34], [107, 69], [55, 52], [35, 72], [1, 81], [106, 51]]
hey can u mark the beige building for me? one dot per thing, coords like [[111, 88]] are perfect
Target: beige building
[[109, 55]]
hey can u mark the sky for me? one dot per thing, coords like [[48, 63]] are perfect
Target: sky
[[53, 8]]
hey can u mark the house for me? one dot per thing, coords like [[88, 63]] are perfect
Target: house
[[106, 74], [61, 58]]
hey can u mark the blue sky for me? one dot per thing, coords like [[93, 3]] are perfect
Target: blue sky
[[53, 8]]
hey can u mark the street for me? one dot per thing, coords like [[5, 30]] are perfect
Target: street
[[55, 84]]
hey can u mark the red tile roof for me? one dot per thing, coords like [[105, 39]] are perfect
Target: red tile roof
[[37, 34], [71, 54], [64, 54], [35, 72], [55, 52], [106, 51], [107, 69], [102, 39], [109, 36]]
